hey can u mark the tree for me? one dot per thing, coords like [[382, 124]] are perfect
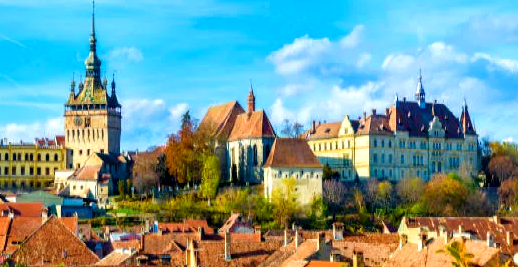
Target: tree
[[410, 190], [335, 194], [501, 168], [508, 192], [384, 195], [210, 177], [327, 173], [445, 195], [457, 250], [145, 175], [284, 202], [371, 193], [291, 130]]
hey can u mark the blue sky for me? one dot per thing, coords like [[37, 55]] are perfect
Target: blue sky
[[307, 59]]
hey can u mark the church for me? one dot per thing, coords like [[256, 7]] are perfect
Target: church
[[92, 135], [246, 139]]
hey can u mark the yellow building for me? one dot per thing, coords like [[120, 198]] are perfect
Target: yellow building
[[412, 138], [33, 165]]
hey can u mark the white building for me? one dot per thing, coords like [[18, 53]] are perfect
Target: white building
[[293, 158]]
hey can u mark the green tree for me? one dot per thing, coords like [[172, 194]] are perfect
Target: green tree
[[327, 172], [284, 202], [446, 195], [210, 177], [385, 191], [410, 191], [457, 250]]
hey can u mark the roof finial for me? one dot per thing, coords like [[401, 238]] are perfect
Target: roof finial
[[113, 83], [93, 17]]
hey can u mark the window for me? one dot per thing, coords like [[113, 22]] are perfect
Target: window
[[349, 144], [6, 171], [14, 156], [382, 173], [375, 173], [88, 152], [390, 143], [255, 155], [56, 157], [267, 152], [402, 159], [402, 174], [26, 157], [31, 170], [390, 158], [39, 157], [38, 171], [47, 171], [31, 157], [13, 171], [47, 157], [102, 151], [19, 157], [382, 158], [80, 152], [439, 166], [22, 171], [375, 143], [6, 157], [375, 158], [382, 143]]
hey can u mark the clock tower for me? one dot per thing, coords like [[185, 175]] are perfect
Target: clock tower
[[92, 116]]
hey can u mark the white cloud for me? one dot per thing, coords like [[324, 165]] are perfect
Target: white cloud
[[15, 132], [178, 110], [507, 64], [352, 39], [397, 62], [508, 140], [294, 89], [446, 52], [8, 39], [279, 113], [364, 58], [125, 54]]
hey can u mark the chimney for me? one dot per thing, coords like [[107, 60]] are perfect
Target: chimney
[[200, 232], [497, 219], [358, 259], [320, 240], [313, 127], [296, 239], [402, 240], [334, 231], [373, 111], [387, 112], [227, 246], [285, 237], [44, 215], [509, 238]]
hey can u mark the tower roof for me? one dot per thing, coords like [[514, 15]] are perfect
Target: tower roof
[[420, 89]]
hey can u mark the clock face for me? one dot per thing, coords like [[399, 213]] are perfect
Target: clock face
[[78, 121]]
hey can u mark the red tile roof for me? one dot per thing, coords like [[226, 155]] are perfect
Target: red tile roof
[[211, 253], [252, 125], [60, 140], [221, 118], [325, 264], [411, 257], [476, 226], [325, 130], [376, 248], [53, 244], [88, 172], [32, 209], [291, 152], [200, 223]]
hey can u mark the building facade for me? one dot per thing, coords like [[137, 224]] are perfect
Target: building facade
[[92, 117], [27, 165], [291, 158], [411, 139], [245, 139]]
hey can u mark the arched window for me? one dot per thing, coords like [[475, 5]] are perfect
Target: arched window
[[39, 157], [439, 167], [382, 143], [14, 156], [56, 157], [19, 157], [6, 157], [26, 157], [47, 157], [31, 157], [375, 143], [390, 143], [255, 154]]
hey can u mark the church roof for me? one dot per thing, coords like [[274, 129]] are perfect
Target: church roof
[[222, 117], [252, 125], [291, 152]]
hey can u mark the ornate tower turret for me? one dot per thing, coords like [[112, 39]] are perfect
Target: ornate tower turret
[[419, 94]]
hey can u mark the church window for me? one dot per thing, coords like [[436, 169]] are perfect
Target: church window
[[255, 155], [47, 157], [56, 157]]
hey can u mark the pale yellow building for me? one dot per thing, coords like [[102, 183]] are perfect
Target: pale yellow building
[[411, 138], [30, 165]]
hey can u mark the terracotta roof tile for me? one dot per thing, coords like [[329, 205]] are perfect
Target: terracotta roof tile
[[31, 209], [376, 248], [200, 223], [325, 264], [211, 253], [116, 258], [222, 117], [411, 257], [252, 125], [291, 152], [53, 243], [88, 172], [325, 130]]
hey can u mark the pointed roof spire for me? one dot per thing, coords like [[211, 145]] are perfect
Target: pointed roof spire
[[419, 94], [251, 99], [92, 63], [93, 18], [73, 83]]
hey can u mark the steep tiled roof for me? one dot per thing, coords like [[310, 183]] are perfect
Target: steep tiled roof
[[161, 244], [252, 125], [291, 152], [221, 118], [376, 248], [88, 172], [200, 223], [465, 122], [60, 140], [411, 257], [32, 209], [52, 244], [324, 130], [116, 258], [374, 124], [211, 254], [476, 226]]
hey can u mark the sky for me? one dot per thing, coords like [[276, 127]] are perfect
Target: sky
[[307, 60]]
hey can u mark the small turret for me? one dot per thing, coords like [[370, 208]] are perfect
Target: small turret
[[419, 94]]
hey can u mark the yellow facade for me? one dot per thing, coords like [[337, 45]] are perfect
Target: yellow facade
[[30, 164]]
